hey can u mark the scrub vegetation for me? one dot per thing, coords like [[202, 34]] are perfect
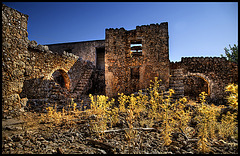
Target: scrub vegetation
[[156, 110]]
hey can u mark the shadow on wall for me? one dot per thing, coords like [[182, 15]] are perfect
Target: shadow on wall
[[61, 78], [193, 86], [98, 83], [41, 93]]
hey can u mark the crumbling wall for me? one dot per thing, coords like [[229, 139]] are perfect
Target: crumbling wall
[[127, 71], [193, 86], [217, 72], [14, 48], [91, 52], [132, 58], [42, 93], [24, 60], [43, 62], [86, 50], [80, 74]]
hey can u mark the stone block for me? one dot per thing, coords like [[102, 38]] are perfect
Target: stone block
[[23, 102], [13, 99]]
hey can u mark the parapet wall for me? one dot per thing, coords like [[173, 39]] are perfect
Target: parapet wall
[[43, 62]]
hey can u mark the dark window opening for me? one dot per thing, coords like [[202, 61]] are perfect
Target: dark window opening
[[100, 58], [136, 47], [135, 73]]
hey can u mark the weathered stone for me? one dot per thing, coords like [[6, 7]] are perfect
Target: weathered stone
[[134, 70], [86, 50], [18, 65], [21, 64], [33, 44], [40, 47], [45, 48], [13, 87], [13, 99], [209, 74], [21, 110], [6, 44], [125, 62]]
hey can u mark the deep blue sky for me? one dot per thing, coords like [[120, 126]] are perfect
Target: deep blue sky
[[195, 29]]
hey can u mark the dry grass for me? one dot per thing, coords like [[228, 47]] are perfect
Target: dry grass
[[149, 110]]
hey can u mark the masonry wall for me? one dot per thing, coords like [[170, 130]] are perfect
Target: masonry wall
[[39, 84], [89, 51], [28, 67], [193, 86], [218, 72], [23, 60], [121, 65], [86, 50], [43, 62], [43, 92], [14, 48]]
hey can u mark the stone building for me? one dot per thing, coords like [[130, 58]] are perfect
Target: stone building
[[133, 58], [129, 59], [124, 62]]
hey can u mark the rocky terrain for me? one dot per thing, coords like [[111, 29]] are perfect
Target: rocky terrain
[[30, 135]]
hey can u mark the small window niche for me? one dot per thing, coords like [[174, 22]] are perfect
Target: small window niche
[[136, 47]]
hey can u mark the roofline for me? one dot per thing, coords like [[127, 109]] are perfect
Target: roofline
[[73, 42]]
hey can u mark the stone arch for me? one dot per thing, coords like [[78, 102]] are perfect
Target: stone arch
[[61, 77], [205, 78]]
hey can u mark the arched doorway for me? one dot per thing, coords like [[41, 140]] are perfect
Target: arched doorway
[[61, 77], [194, 84]]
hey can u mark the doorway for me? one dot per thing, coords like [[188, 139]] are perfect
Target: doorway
[[100, 60]]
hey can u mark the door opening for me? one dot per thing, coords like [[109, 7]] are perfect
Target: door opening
[[100, 58]]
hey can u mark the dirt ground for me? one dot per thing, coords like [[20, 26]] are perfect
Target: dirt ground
[[28, 135]]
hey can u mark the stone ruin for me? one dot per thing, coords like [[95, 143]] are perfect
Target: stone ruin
[[125, 62]]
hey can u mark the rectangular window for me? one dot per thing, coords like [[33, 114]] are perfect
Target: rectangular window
[[136, 46]]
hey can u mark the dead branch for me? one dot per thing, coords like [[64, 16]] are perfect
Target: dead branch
[[183, 134]]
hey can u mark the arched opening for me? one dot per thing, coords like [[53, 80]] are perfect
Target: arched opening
[[61, 78], [194, 85]]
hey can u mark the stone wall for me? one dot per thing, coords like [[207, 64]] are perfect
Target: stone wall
[[80, 74], [44, 87], [128, 71], [90, 51], [124, 62], [217, 72], [24, 60], [45, 92], [14, 48], [43, 62], [193, 86], [86, 50]]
